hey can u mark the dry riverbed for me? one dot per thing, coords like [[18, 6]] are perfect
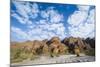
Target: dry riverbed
[[60, 59]]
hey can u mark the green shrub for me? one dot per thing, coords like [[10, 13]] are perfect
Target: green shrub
[[33, 57], [90, 52], [15, 53], [16, 60]]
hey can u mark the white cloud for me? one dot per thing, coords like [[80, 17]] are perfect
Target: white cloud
[[46, 31], [19, 33], [83, 8], [18, 18], [77, 17], [42, 21], [52, 15], [91, 17], [40, 32], [82, 22], [26, 11], [44, 14], [21, 9], [22, 20], [57, 18], [35, 8], [50, 25]]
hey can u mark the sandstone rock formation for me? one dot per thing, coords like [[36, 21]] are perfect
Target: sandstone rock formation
[[56, 47], [53, 47]]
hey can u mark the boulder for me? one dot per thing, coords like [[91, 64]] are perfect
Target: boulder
[[56, 47], [71, 42]]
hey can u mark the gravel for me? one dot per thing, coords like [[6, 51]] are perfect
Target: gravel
[[60, 59]]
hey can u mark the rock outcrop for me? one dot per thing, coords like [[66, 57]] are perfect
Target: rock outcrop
[[56, 47]]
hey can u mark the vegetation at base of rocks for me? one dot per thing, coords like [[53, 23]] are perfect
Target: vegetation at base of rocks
[[54, 47], [90, 52]]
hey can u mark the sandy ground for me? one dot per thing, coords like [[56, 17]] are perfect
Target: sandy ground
[[60, 59]]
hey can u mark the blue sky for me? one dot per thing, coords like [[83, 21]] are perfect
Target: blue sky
[[38, 21]]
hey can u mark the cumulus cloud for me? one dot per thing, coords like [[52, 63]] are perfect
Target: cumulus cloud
[[77, 17], [52, 15], [82, 22], [22, 20], [44, 24], [25, 11], [83, 8], [46, 31], [46, 27], [20, 34]]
